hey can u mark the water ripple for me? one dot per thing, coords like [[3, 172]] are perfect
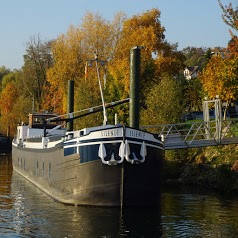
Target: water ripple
[[25, 211]]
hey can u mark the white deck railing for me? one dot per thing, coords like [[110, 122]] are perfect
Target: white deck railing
[[196, 134]]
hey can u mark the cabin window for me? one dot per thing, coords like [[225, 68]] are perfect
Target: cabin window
[[37, 120], [37, 167], [70, 151], [43, 169], [49, 169]]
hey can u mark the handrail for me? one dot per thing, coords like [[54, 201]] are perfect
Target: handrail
[[196, 134]]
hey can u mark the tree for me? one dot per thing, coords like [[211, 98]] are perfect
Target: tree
[[7, 100], [220, 78], [36, 62], [15, 103], [232, 48], [72, 50], [195, 56], [230, 15], [3, 71], [165, 103], [112, 41], [140, 30], [9, 77], [158, 57], [193, 94]]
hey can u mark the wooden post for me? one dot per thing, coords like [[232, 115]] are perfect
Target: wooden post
[[70, 125], [134, 111]]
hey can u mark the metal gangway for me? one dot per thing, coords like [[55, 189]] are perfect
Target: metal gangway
[[206, 132]]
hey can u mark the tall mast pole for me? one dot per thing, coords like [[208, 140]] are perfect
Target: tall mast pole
[[100, 85]]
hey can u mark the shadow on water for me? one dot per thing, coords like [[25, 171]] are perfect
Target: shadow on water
[[25, 211], [195, 212]]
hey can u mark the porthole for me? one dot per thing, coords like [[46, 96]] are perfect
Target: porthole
[[43, 169], [37, 168], [49, 169]]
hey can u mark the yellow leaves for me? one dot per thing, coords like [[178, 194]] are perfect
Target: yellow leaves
[[113, 42], [66, 52], [68, 65], [73, 49], [96, 33], [220, 78], [8, 97], [140, 30]]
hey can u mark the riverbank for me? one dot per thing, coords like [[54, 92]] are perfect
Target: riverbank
[[212, 167]]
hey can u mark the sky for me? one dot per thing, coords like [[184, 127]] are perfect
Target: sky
[[195, 23]]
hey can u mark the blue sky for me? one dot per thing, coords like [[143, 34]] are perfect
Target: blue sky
[[187, 22]]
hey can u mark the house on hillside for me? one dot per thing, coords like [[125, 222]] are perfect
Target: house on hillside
[[190, 72]]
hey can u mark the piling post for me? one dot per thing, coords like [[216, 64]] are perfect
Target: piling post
[[70, 125], [134, 111]]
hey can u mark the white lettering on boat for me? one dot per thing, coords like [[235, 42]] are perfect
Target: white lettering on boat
[[109, 133], [135, 133]]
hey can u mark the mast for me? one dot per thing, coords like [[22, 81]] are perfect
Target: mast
[[102, 62]]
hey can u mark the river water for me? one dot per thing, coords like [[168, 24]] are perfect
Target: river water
[[25, 211]]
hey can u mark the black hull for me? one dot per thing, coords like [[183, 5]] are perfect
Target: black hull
[[141, 183], [67, 180]]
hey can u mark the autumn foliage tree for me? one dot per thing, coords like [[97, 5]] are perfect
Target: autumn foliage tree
[[22, 91], [36, 62], [49, 65], [230, 15], [112, 42], [158, 57], [15, 103], [7, 101], [220, 76], [72, 50]]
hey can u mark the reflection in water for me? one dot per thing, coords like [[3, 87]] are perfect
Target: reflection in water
[[25, 211], [197, 214], [36, 213], [32, 213], [140, 222]]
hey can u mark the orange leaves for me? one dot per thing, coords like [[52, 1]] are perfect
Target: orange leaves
[[144, 30], [220, 78], [68, 65], [140, 30], [232, 47], [230, 15], [8, 98], [7, 102], [72, 50]]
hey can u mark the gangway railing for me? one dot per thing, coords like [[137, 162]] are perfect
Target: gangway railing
[[196, 134]]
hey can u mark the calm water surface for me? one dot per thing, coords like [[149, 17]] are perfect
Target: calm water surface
[[25, 211]]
